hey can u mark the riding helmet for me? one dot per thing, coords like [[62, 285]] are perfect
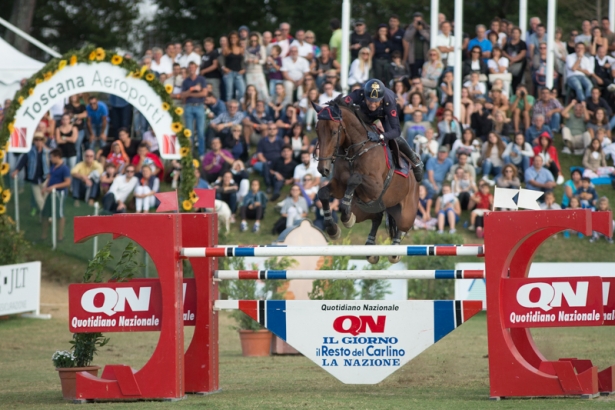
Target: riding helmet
[[373, 90]]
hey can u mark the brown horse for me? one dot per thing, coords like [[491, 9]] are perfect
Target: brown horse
[[361, 178]]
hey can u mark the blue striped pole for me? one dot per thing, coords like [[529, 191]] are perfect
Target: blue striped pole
[[348, 274]]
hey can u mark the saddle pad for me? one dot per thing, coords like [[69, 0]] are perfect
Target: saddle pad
[[403, 169]]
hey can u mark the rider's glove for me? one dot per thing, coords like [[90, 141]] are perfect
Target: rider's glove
[[373, 137]]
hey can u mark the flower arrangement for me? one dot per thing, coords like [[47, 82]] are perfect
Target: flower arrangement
[[62, 359], [93, 55]]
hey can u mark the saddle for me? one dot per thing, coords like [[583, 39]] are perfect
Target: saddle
[[395, 158]]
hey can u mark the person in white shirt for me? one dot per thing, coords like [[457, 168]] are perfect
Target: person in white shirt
[[307, 166], [121, 188], [306, 50], [498, 68], [176, 81], [159, 64], [445, 43], [360, 68], [328, 94], [168, 59], [294, 69], [578, 70], [189, 55]]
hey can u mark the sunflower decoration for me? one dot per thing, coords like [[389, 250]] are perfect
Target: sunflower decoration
[[187, 133], [117, 60], [179, 111], [195, 163], [4, 169], [142, 72], [165, 106], [73, 60], [92, 56], [31, 91], [38, 81], [61, 64], [1, 155], [177, 127], [20, 100], [183, 151], [47, 75], [150, 77], [100, 54], [168, 88], [2, 209], [6, 195], [11, 127], [187, 205], [193, 197]]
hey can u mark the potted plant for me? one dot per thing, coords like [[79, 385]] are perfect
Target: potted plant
[[255, 341], [85, 345]]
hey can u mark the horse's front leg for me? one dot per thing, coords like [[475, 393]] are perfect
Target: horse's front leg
[[324, 194], [348, 218]]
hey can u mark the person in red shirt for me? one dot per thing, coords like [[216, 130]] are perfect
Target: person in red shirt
[[483, 200], [548, 152], [144, 157]]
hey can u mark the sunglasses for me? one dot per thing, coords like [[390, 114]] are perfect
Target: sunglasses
[[475, 52], [130, 171], [277, 34], [416, 83], [331, 76]]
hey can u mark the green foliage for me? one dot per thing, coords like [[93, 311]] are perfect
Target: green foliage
[[341, 289], [127, 267], [376, 289], [96, 266], [13, 246], [85, 345], [63, 359]]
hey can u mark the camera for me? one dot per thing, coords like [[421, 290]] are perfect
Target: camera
[[522, 94]]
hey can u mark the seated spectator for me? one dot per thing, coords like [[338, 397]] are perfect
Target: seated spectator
[[509, 178], [285, 122], [476, 88], [602, 206], [122, 186], [463, 163], [237, 145], [480, 121], [482, 202], [499, 84], [147, 186], [429, 98], [594, 161], [449, 130], [492, 157], [297, 140], [253, 207], [418, 126], [226, 190], [222, 123], [447, 88], [475, 64], [360, 68], [294, 69], [571, 186], [416, 102], [548, 152], [118, 156], [152, 142], [175, 174], [328, 93], [448, 210], [519, 152], [575, 203], [423, 218], [497, 101], [86, 179], [247, 103], [255, 125], [282, 171], [549, 203], [144, 157], [463, 187], [241, 178], [538, 178], [469, 145], [397, 69], [498, 68], [294, 209], [579, 71], [501, 125], [587, 194], [200, 183], [575, 132], [603, 70], [59, 179], [537, 129], [521, 106], [307, 113], [334, 204], [549, 107], [267, 151], [306, 166], [278, 102], [426, 146], [107, 178], [217, 161], [437, 169], [599, 121], [596, 102], [309, 189]]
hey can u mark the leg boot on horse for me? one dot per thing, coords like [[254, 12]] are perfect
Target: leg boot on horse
[[334, 231], [348, 218], [371, 238], [415, 161]]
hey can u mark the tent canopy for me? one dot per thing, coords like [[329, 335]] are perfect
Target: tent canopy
[[14, 66]]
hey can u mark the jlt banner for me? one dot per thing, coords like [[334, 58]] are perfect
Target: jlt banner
[[20, 288]]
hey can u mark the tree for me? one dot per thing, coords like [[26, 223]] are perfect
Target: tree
[[21, 17]]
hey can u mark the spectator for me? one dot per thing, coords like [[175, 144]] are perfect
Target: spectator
[[278, 102], [118, 156], [294, 69], [253, 207], [335, 43], [467, 105], [194, 90], [550, 108], [561, 52], [602, 206], [255, 58], [396, 34], [306, 50], [222, 123], [322, 64], [597, 41], [476, 88], [521, 106], [147, 186], [121, 188], [78, 115], [481, 121], [234, 67], [107, 177], [571, 187], [469, 145], [217, 161], [448, 210], [432, 70], [475, 64], [189, 55], [209, 67], [297, 140], [309, 189], [437, 169], [518, 153], [267, 151], [243, 31], [463, 187], [288, 118], [86, 175], [308, 85], [515, 51], [359, 39], [423, 218], [418, 126], [575, 203], [498, 68], [247, 104], [416, 44], [600, 121], [537, 129], [120, 115], [328, 94], [236, 144], [463, 163], [587, 194], [594, 161], [36, 162], [282, 171], [429, 98], [305, 167], [144, 157], [509, 178], [549, 203], [200, 183], [606, 32], [579, 70], [496, 27], [482, 42], [241, 178], [604, 70], [445, 43], [482, 202], [539, 69], [397, 69], [547, 151], [59, 179], [492, 156], [97, 122], [360, 68], [294, 209], [501, 125], [255, 126], [66, 137], [537, 38], [497, 101], [226, 191], [426, 146], [585, 37], [449, 130], [538, 178], [575, 132], [570, 44], [380, 50], [176, 80], [152, 142], [159, 64], [596, 102], [416, 102]]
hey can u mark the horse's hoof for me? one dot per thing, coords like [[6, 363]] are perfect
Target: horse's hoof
[[373, 259], [394, 259], [351, 221], [336, 234]]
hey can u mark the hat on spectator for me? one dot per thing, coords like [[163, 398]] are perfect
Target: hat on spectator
[[443, 148], [546, 135], [417, 14], [244, 28], [359, 21], [39, 136]]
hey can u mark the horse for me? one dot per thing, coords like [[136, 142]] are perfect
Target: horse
[[366, 186]]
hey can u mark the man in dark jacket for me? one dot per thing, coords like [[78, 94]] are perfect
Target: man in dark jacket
[[36, 163]]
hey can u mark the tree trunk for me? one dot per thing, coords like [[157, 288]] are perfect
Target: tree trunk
[[21, 17]]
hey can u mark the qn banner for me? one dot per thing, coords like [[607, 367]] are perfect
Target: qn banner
[[358, 342], [20, 288]]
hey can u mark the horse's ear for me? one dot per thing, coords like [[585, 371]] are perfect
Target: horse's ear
[[317, 107]]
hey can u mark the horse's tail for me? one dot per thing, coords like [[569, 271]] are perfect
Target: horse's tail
[[391, 225]]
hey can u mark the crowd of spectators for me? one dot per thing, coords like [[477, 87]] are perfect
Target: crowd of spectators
[[247, 100]]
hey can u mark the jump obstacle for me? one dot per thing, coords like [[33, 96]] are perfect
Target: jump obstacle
[[394, 332]]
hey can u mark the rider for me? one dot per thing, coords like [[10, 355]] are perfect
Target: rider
[[378, 103]]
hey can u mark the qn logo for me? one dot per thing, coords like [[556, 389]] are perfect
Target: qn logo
[[550, 295], [359, 324]]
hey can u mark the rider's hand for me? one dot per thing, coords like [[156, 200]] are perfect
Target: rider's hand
[[373, 137]]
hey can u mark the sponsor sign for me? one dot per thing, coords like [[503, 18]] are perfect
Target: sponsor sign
[[20, 288], [123, 307], [361, 342], [85, 78], [550, 302]]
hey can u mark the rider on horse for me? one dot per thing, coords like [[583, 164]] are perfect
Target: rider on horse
[[378, 103]]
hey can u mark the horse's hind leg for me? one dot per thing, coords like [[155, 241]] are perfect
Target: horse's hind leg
[[347, 217], [371, 238], [324, 194], [394, 232]]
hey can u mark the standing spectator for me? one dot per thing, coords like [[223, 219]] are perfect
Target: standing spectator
[[586, 35], [437, 169], [574, 131], [253, 207], [59, 179], [294, 69], [98, 125], [397, 69], [176, 80], [234, 67], [189, 55], [120, 115], [209, 66], [323, 64], [482, 42], [226, 191], [497, 27], [416, 44], [273, 66], [160, 65], [445, 43], [66, 138], [423, 218], [550, 108], [538, 178], [359, 39], [310, 38], [515, 51], [86, 176], [492, 156], [148, 185], [483, 201], [448, 210], [281, 41], [267, 151], [194, 90], [335, 43], [548, 153], [579, 70], [537, 38], [521, 106], [537, 128], [78, 115], [305, 49], [381, 49], [36, 162], [396, 34], [256, 56], [561, 52], [509, 178], [217, 161], [121, 188], [360, 68], [294, 209], [432, 71], [549, 203], [169, 58], [519, 152], [282, 171]]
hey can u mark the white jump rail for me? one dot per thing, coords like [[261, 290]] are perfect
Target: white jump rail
[[348, 274]]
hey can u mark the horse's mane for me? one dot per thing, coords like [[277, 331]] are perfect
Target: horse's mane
[[340, 102]]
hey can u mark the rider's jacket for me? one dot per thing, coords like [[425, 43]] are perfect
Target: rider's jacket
[[386, 113]]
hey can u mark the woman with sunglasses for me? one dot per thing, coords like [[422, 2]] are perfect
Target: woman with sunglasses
[[474, 64], [255, 58], [234, 67], [432, 70], [360, 68], [321, 65]]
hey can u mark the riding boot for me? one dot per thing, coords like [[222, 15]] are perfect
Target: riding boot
[[417, 165]]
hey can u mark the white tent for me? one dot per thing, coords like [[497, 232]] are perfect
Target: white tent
[[14, 67]]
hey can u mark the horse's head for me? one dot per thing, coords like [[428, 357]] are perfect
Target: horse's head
[[330, 135]]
